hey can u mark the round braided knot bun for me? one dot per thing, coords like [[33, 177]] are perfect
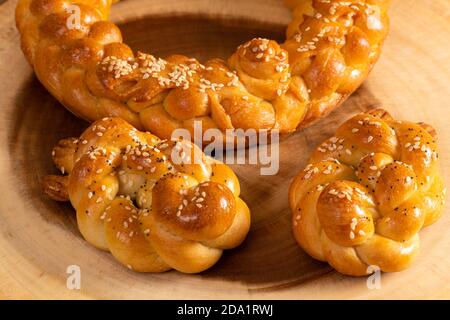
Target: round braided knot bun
[[331, 46], [154, 204], [366, 194]]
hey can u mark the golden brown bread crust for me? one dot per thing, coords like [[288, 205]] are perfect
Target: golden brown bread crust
[[331, 46], [154, 204], [366, 193]]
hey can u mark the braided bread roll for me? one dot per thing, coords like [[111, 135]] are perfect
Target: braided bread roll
[[366, 193], [331, 46], [154, 204]]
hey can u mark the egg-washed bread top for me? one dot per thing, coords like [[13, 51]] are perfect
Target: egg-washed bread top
[[154, 204], [366, 193], [331, 46]]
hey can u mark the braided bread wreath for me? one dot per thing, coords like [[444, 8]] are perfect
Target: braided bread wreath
[[331, 46], [366, 194], [188, 208]]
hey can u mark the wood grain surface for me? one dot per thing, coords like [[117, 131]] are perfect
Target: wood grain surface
[[39, 238]]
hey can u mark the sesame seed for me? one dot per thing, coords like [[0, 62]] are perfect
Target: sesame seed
[[334, 139], [328, 170], [354, 224]]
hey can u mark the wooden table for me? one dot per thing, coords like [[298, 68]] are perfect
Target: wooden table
[[39, 238]]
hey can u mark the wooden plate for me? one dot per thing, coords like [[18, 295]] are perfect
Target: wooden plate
[[39, 238]]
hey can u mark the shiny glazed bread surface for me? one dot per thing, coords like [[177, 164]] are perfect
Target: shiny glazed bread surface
[[154, 204], [366, 193], [331, 46]]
